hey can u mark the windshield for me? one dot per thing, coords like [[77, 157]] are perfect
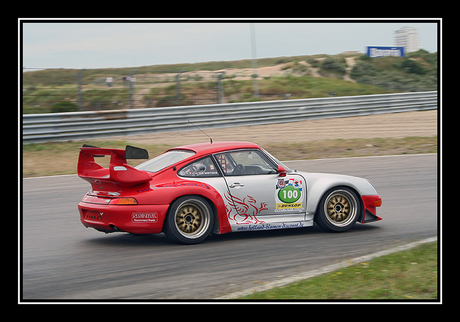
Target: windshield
[[164, 160]]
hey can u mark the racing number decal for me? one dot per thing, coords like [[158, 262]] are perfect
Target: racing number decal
[[289, 194]]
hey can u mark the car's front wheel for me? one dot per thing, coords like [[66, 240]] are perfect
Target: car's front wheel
[[338, 209], [190, 220]]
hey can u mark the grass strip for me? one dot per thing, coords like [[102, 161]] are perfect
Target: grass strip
[[57, 158], [405, 275]]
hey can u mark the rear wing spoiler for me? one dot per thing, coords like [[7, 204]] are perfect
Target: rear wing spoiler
[[119, 174], [130, 152]]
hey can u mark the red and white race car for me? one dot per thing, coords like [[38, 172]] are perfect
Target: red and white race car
[[191, 191]]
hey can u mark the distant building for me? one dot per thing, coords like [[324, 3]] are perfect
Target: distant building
[[408, 38]]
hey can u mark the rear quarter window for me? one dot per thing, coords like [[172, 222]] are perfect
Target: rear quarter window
[[164, 160], [201, 168]]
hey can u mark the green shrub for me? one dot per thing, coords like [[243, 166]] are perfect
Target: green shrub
[[331, 65], [173, 100], [64, 107], [412, 66], [313, 62], [361, 69]]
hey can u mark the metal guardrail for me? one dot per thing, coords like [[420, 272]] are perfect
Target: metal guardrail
[[80, 125]]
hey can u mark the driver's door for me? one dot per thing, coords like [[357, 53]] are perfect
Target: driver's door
[[257, 194]]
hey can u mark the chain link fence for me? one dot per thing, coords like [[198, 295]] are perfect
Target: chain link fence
[[64, 90]]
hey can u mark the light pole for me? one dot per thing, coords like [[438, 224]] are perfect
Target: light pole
[[131, 89], [80, 94], [254, 59]]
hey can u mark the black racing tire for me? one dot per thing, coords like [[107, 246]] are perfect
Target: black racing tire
[[189, 221], [338, 209]]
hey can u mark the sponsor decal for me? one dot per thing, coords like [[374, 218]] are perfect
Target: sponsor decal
[[288, 192], [189, 184], [374, 52], [149, 217], [144, 190], [287, 205], [269, 226]]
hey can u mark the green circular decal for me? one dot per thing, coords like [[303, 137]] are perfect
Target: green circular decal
[[289, 194]]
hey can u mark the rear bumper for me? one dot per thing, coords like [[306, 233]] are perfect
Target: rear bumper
[[137, 219], [370, 204]]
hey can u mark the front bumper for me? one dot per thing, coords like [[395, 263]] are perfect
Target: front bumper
[[137, 219], [370, 204]]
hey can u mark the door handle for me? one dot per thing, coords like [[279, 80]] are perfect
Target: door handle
[[236, 184]]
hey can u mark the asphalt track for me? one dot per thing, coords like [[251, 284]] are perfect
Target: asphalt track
[[63, 260]]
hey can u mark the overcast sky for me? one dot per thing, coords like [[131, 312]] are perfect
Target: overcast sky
[[91, 44]]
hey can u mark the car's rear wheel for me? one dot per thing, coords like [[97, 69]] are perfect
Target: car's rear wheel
[[190, 220], [338, 209]]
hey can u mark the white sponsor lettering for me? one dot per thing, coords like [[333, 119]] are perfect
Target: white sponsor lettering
[[144, 217], [375, 52], [268, 226]]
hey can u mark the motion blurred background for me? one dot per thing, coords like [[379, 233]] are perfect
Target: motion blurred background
[[88, 65]]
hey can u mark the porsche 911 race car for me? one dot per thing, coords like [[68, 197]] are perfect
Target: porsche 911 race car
[[191, 191]]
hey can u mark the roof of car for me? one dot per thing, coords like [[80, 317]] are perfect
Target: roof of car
[[215, 147]]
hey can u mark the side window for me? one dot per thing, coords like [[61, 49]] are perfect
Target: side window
[[225, 163], [245, 162], [201, 168]]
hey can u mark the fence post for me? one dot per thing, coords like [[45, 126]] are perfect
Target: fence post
[[178, 101], [131, 89], [219, 87]]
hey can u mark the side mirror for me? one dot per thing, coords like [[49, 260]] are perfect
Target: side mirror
[[282, 171]]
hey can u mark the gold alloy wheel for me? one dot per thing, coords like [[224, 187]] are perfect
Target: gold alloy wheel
[[340, 208], [189, 219], [192, 218]]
